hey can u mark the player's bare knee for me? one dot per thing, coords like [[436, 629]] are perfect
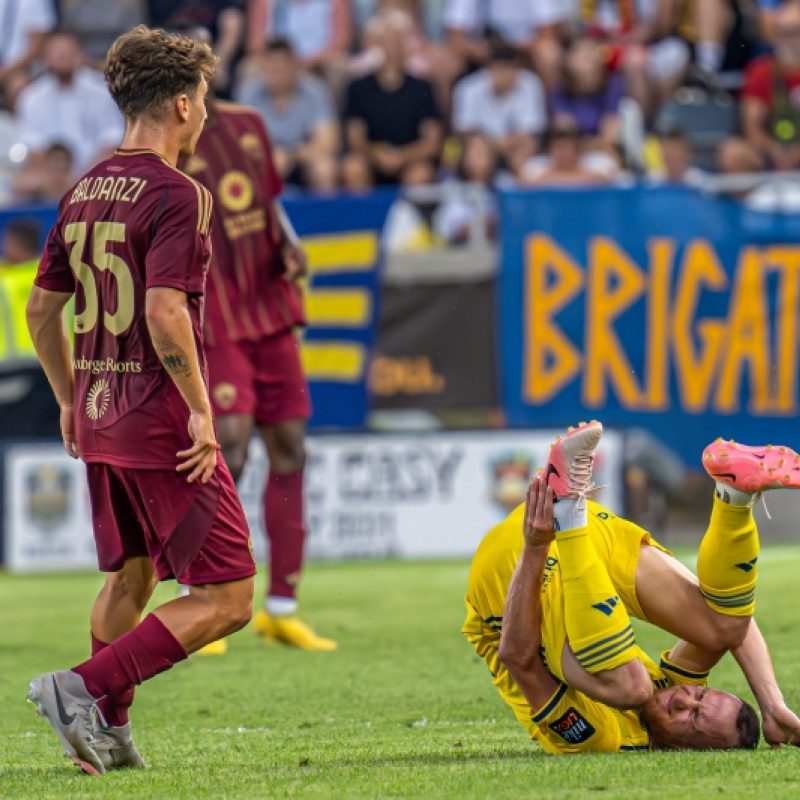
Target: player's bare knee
[[289, 458], [234, 609], [126, 586]]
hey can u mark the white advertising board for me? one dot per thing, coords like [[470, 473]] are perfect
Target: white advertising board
[[47, 519], [367, 496]]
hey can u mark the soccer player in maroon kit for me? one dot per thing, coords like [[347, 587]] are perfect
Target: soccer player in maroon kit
[[132, 243], [255, 374]]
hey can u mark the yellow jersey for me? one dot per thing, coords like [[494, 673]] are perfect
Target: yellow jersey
[[569, 722]]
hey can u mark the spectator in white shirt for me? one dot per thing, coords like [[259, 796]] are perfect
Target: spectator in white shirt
[[300, 116], [534, 27], [23, 27], [68, 104], [503, 103]]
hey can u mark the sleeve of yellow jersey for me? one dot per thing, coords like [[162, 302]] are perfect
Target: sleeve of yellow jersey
[[569, 723], [678, 676]]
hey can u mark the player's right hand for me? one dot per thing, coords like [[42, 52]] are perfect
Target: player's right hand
[[538, 524], [201, 457], [68, 430]]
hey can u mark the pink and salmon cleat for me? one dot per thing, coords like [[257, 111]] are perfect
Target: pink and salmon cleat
[[752, 469], [569, 468]]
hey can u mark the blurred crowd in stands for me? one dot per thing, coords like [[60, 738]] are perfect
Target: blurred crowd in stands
[[364, 93]]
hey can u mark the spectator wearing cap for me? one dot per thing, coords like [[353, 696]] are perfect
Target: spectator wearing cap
[[300, 116], [505, 104], [224, 23], [533, 27], [770, 97], [24, 24], [393, 127], [69, 104], [319, 31]]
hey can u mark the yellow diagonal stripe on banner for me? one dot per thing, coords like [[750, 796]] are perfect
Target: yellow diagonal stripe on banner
[[333, 361], [346, 308], [350, 252]]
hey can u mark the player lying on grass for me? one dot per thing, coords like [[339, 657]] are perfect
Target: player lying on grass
[[553, 587]]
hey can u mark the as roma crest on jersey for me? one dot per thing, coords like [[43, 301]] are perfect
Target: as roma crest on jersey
[[236, 191]]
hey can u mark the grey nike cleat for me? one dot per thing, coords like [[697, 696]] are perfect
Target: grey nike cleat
[[115, 747], [61, 698]]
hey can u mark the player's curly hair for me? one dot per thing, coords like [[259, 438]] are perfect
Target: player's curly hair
[[748, 728], [147, 68]]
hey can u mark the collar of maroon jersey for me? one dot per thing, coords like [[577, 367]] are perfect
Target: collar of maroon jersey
[[141, 151]]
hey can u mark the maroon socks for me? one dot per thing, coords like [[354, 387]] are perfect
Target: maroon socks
[[132, 659], [283, 513], [114, 708]]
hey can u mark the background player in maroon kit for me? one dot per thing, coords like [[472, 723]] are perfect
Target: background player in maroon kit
[[132, 243], [253, 303]]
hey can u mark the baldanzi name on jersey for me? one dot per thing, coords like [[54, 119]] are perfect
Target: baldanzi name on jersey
[[124, 190], [106, 365], [572, 727]]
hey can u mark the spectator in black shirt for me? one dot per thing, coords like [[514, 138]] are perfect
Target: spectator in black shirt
[[393, 129]]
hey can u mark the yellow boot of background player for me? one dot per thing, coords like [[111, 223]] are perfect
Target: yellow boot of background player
[[217, 648], [290, 631]]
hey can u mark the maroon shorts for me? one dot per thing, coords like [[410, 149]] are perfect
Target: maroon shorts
[[262, 379], [194, 532]]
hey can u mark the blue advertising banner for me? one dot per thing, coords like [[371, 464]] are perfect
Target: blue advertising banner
[[342, 237], [661, 308]]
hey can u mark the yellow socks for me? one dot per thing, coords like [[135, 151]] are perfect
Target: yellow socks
[[727, 559], [598, 626]]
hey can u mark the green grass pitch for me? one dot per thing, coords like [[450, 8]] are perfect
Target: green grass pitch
[[403, 709]]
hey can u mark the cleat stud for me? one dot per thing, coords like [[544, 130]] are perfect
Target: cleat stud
[[718, 440], [761, 465], [787, 477], [732, 442], [769, 447], [723, 455], [570, 429], [770, 470], [781, 463], [782, 450]]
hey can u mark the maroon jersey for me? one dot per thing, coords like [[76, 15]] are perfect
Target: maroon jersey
[[247, 299], [131, 223]]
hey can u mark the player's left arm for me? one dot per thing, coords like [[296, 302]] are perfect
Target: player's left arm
[[780, 724]]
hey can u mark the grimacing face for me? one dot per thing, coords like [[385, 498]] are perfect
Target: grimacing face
[[692, 718]]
